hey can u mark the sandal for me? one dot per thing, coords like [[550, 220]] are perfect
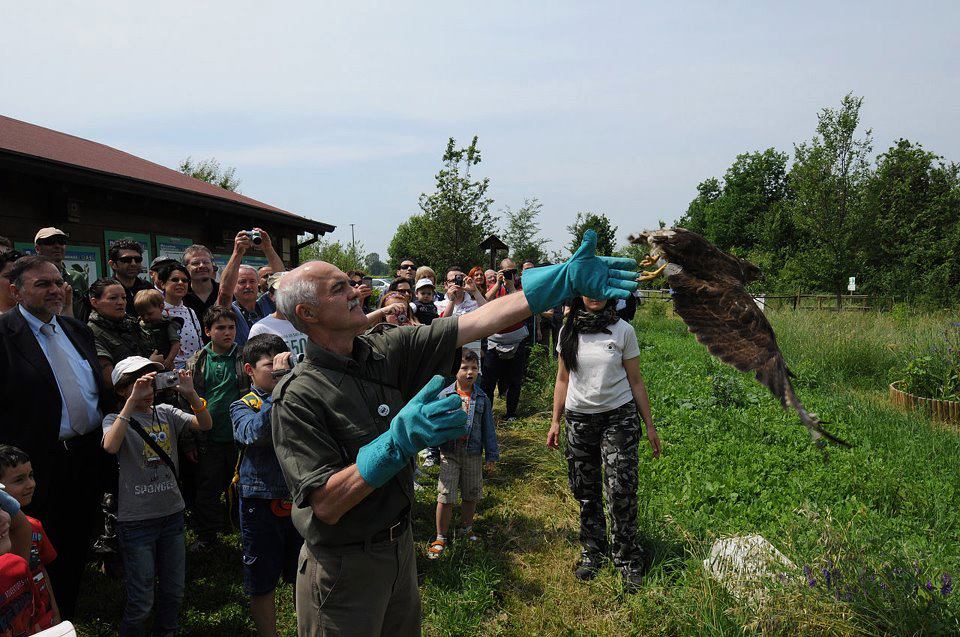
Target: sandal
[[436, 549]]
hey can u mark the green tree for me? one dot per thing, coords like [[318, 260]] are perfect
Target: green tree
[[828, 179], [373, 266], [455, 218], [606, 233], [345, 256], [209, 171], [909, 245], [523, 230]]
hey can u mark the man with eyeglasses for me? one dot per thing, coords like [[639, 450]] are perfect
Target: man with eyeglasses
[[204, 290], [126, 261], [407, 270], [52, 244]]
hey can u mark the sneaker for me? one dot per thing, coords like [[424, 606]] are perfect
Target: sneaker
[[200, 546]]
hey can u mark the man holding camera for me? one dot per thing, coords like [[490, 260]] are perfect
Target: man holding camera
[[54, 398], [349, 420], [504, 360], [239, 283]]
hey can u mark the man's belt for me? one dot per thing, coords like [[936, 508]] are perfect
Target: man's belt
[[390, 534]]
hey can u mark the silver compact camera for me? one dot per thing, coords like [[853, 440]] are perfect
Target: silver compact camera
[[166, 380], [254, 236]]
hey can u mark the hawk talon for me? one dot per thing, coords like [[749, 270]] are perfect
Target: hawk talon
[[650, 276]]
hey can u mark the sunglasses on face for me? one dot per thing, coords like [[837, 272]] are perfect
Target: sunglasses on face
[[409, 266], [53, 241], [130, 259], [355, 284]]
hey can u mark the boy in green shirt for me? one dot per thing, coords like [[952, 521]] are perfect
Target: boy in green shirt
[[219, 379]]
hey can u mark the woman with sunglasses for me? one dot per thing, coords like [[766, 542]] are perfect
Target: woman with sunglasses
[[175, 282], [125, 258]]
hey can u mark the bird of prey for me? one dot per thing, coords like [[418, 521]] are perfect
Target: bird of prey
[[709, 295]]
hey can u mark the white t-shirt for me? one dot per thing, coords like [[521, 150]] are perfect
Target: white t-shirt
[[600, 382], [294, 338], [191, 338], [466, 306]]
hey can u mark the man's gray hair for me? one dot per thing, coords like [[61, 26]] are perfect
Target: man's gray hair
[[249, 267], [293, 293]]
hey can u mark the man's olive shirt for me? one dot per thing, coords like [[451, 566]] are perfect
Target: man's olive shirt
[[331, 405]]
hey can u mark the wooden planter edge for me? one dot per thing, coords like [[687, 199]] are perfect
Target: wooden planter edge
[[946, 412]]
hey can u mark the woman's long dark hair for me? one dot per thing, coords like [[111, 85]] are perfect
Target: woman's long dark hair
[[570, 339]]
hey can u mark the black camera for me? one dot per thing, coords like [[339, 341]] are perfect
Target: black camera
[[277, 373], [254, 236], [166, 380], [458, 280], [508, 274]]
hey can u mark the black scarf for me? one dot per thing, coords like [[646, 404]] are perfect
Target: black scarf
[[587, 322]]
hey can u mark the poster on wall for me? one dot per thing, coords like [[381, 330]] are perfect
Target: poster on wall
[[172, 247], [220, 260], [78, 258], [112, 236]]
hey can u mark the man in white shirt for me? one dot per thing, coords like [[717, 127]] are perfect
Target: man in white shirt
[[277, 323]]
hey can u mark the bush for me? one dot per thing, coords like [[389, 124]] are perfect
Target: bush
[[936, 374]]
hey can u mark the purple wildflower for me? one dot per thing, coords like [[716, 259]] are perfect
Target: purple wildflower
[[929, 585], [811, 581], [946, 586]]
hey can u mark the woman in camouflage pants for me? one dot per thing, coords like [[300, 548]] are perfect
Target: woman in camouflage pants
[[599, 390]]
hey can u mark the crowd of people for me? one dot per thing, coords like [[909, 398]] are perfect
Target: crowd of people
[[297, 403]]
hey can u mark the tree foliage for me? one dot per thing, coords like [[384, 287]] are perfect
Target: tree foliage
[[522, 233], [209, 170], [345, 256], [373, 266], [606, 232], [455, 218], [892, 222]]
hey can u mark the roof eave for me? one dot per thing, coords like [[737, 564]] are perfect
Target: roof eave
[[71, 172]]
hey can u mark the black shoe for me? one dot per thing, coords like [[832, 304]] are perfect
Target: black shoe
[[632, 580], [586, 568]]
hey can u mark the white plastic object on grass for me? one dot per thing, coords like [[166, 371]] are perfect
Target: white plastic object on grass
[[743, 564]]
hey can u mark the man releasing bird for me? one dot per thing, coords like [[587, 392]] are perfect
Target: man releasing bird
[[709, 295]]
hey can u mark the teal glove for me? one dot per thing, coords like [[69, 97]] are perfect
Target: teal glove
[[582, 274], [425, 421]]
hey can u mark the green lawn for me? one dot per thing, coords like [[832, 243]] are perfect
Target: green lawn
[[876, 521]]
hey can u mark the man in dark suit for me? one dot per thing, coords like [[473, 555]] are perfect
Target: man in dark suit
[[53, 402]]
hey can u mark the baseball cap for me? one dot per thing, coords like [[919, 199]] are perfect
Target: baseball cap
[[422, 283], [132, 364], [46, 233], [161, 261], [274, 279]]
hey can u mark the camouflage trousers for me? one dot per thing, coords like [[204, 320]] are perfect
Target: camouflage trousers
[[604, 447]]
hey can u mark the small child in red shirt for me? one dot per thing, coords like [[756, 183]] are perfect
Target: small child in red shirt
[[18, 592], [16, 474]]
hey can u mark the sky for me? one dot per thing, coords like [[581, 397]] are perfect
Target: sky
[[341, 111]]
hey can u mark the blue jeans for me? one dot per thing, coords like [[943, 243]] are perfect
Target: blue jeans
[[152, 549]]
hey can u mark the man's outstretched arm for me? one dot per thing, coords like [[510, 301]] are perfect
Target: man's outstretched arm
[[544, 287], [492, 317]]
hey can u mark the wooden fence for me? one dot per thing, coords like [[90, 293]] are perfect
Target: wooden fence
[[824, 302]]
